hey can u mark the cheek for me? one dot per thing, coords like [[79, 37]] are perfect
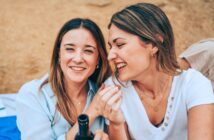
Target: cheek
[[92, 60], [138, 59], [64, 62], [63, 55]]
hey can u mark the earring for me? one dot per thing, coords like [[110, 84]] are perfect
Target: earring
[[152, 54], [97, 66]]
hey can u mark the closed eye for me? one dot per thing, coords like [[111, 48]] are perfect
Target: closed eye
[[119, 45], [70, 49], [89, 51]]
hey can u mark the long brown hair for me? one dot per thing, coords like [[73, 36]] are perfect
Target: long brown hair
[[56, 78], [149, 22]]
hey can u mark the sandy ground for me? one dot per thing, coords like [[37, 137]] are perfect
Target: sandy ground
[[28, 30]]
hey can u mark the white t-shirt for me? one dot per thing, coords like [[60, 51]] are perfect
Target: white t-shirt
[[200, 56], [189, 89]]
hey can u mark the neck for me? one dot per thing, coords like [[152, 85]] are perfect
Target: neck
[[148, 76], [152, 83], [76, 90]]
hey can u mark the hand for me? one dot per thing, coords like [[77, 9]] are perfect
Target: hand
[[93, 109], [97, 105], [112, 109], [109, 104], [100, 135]]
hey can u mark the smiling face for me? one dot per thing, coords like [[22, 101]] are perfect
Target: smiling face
[[78, 55], [132, 57]]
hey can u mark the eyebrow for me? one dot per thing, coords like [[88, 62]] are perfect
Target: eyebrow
[[115, 40], [69, 44], [90, 46], [87, 46]]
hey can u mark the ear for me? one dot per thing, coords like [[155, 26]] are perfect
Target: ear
[[154, 50]]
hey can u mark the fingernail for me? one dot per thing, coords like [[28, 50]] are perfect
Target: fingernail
[[119, 87]]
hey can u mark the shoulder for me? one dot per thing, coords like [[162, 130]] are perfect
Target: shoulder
[[30, 88], [192, 76], [109, 81], [113, 81], [192, 79], [196, 89]]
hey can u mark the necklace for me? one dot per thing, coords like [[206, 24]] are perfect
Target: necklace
[[155, 107], [78, 103], [144, 96]]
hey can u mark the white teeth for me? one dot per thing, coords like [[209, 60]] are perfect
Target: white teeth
[[77, 68], [121, 65]]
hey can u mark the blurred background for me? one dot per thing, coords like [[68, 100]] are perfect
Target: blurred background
[[28, 30]]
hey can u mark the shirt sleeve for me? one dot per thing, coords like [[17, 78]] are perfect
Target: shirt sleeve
[[199, 55], [199, 91], [32, 121]]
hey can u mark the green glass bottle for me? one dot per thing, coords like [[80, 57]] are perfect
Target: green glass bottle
[[84, 132]]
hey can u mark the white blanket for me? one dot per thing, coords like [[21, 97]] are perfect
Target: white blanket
[[7, 104]]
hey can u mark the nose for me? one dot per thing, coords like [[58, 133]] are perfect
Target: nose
[[78, 57], [112, 54]]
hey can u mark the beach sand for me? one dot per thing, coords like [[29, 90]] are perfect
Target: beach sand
[[28, 30]]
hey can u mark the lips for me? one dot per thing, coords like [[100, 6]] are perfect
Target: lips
[[77, 68]]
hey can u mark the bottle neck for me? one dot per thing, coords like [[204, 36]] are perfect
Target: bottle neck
[[83, 129]]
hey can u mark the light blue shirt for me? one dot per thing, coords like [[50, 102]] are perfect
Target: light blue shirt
[[36, 112]]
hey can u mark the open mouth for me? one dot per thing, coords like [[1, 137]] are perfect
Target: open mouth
[[120, 65]]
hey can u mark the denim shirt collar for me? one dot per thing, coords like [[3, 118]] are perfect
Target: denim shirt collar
[[47, 88]]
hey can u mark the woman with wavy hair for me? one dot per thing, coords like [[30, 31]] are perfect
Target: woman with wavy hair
[[157, 100]]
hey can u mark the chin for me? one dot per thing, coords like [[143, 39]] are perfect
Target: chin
[[77, 79], [123, 78]]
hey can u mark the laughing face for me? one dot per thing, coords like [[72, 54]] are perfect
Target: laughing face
[[131, 56], [78, 55]]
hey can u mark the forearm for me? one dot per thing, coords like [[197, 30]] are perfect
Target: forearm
[[72, 132], [91, 117], [201, 122], [117, 132]]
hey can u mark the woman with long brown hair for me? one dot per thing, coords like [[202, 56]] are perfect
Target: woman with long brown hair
[[47, 109]]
